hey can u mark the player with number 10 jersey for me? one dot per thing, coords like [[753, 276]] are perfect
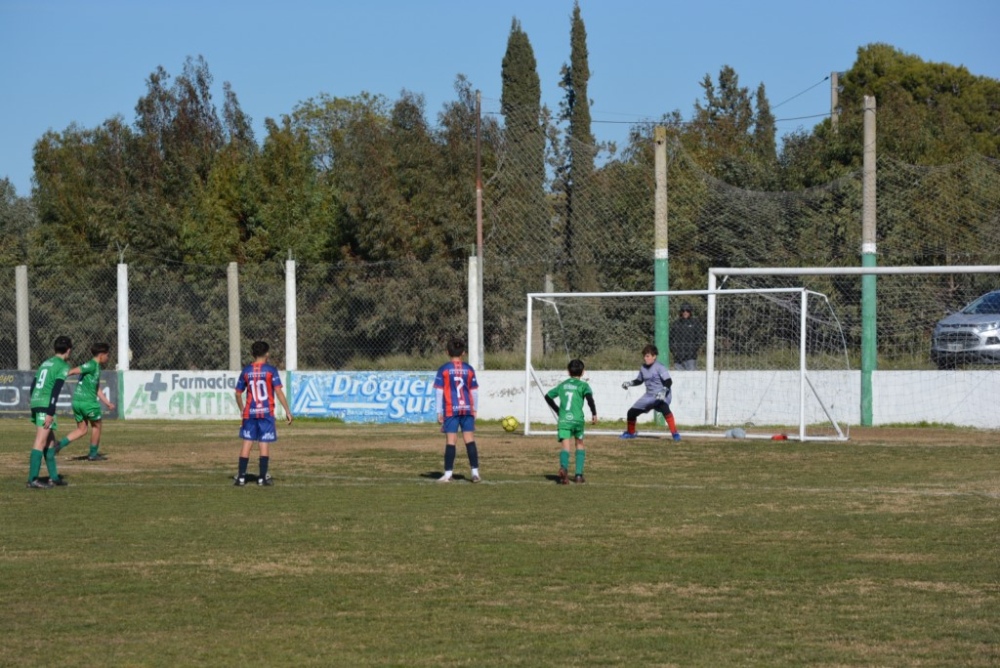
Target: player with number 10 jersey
[[259, 381]]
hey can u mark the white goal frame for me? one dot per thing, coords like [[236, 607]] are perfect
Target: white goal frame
[[805, 386]]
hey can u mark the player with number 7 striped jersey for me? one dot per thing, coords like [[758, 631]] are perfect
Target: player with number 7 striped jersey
[[458, 387]]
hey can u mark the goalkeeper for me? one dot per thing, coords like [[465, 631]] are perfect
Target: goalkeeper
[[655, 376]]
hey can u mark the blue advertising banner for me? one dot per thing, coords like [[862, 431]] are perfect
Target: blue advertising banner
[[364, 396]]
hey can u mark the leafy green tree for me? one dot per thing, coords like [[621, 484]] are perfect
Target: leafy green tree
[[179, 137], [223, 224], [928, 113], [727, 136], [295, 206], [17, 221], [82, 193], [459, 123], [763, 140]]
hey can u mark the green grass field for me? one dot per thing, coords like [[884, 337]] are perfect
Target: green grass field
[[883, 551]]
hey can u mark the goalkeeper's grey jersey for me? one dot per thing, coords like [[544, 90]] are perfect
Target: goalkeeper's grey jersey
[[655, 377]]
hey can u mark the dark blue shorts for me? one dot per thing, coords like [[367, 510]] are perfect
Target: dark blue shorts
[[452, 424], [259, 429]]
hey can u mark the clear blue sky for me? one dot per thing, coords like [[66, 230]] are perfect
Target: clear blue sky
[[77, 61]]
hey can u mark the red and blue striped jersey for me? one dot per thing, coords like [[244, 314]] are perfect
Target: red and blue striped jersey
[[458, 385], [258, 380]]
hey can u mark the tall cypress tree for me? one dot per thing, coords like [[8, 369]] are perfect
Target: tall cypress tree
[[521, 208], [578, 212]]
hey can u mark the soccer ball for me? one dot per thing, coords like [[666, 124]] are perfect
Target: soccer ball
[[509, 423]]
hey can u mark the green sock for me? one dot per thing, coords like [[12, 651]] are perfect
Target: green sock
[[564, 459], [93, 450], [36, 464], [50, 464], [580, 456], [63, 442]]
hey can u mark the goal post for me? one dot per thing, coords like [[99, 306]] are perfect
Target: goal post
[[771, 361]]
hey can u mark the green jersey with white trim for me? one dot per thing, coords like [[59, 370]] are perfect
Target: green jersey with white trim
[[48, 381]]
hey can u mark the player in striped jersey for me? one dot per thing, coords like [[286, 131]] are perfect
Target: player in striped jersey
[[262, 383], [456, 391]]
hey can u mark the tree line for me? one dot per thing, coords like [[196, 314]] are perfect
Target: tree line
[[351, 184]]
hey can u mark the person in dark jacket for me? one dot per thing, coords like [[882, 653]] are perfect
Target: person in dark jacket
[[686, 338]]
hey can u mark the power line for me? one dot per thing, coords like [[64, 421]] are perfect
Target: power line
[[826, 78], [652, 123]]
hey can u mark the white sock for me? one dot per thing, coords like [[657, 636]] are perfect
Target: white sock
[[475, 472], [447, 475]]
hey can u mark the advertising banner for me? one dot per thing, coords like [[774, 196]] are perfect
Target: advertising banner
[[180, 395], [15, 394], [364, 396]]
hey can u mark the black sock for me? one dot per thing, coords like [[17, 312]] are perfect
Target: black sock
[[243, 466], [449, 457], [470, 449], [263, 466]]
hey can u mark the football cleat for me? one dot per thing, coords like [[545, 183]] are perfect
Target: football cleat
[[265, 481], [476, 478], [58, 482], [563, 476], [96, 458], [627, 435], [38, 484], [677, 437], [444, 479], [579, 478], [239, 481]]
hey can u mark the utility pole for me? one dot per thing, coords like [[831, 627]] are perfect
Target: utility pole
[[661, 258], [869, 339], [475, 345], [835, 89]]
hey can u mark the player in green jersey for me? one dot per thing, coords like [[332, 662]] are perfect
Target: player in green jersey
[[87, 400], [45, 389], [571, 394]]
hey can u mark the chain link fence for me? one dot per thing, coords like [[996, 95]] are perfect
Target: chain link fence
[[599, 238]]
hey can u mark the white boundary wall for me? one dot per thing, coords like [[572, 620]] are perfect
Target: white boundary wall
[[962, 398]]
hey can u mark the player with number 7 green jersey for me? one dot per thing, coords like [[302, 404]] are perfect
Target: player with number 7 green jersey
[[570, 395]]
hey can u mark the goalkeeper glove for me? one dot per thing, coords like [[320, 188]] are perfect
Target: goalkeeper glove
[[661, 395], [627, 384]]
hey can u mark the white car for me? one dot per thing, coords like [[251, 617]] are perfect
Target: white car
[[969, 336]]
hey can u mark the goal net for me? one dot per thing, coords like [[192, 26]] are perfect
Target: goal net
[[769, 362]]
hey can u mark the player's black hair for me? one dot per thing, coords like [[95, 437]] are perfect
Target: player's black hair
[[456, 347], [575, 368], [259, 349], [650, 350], [62, 344], [99, 348]]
